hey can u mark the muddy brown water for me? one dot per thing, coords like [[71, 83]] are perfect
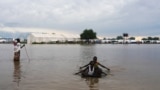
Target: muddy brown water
[[52, 67]]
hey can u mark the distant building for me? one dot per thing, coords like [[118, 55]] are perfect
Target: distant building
[[2, 40], [51, 37]]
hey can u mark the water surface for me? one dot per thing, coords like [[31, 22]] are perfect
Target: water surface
[[52, 67]]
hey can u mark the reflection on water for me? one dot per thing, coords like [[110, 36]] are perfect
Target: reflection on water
[[92, 83], [17, 72]]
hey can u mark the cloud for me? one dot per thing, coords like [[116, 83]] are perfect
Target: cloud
[[105, 16], [60, 11], [33, 30]]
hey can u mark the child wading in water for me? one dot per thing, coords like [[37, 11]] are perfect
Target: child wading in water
[[92, 68], [17, 48]]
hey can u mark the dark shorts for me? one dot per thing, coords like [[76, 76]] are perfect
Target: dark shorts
[[16, 56]]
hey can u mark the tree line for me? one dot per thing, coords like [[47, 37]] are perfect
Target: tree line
[[89, 34]]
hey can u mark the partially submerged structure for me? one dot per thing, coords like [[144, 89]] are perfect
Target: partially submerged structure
[[51, 38]]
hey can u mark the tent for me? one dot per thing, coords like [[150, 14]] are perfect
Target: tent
[[50, 37]]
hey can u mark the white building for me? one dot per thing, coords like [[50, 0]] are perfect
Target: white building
[[2, 40], [51, 37]]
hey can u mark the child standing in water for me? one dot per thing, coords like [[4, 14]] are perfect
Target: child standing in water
[[17, 48]]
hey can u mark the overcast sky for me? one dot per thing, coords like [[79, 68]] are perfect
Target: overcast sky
[[106, 17]]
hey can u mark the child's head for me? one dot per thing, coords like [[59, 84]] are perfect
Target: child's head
[[18, 40], [95, 59]]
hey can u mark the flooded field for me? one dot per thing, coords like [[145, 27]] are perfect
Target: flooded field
[[52, 67]]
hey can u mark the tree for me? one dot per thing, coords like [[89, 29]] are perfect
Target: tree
[[119, 38], [156, 38], [88, 34], [132, 38], [104, 38], [144, 39], [150, 38]]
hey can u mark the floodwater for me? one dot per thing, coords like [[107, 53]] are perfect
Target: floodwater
[[52, 67]]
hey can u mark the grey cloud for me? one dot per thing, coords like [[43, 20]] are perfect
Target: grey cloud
[[105, 16]]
